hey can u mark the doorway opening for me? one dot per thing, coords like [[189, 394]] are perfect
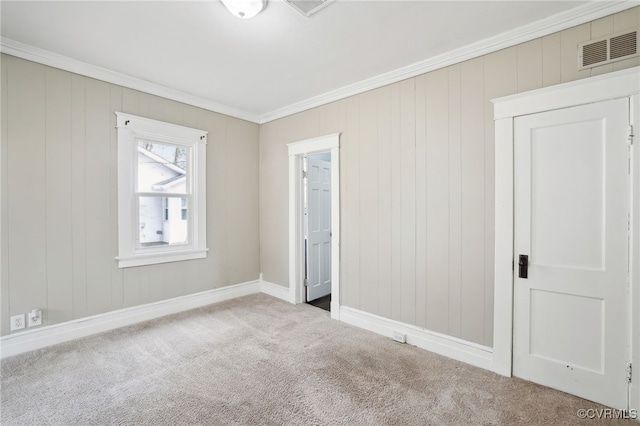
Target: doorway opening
[[314, 222], [316, 217]]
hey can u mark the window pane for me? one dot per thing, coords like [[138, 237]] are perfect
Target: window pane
[[161, 167], [183, 210], [163, 221]]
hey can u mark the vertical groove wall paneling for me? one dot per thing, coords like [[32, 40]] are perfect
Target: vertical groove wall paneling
[[435, 151], [58, 192], [172, 111], [421, 263], [569, 40], [274, 191], [78, 196], [529, 73], [322, 119], [501, 77], [437, 211], [26, 187], [60, 197], [455, 201], [408, 201], [226, 190], [307, 124], [396, 204], [117, 274], [213, 266], [154, 107], [97, 192], [351, 206], [473, 199], [266, 213], [368, 191], [243, 252], [431, 150], [4, 219], [551, 60], [384, 207]]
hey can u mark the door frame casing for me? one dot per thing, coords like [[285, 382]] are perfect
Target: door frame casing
[[619, 84], [297, 150]]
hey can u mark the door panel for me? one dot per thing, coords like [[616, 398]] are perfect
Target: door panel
[[318, 228], [581, 324], [572, 203], [567, 192]]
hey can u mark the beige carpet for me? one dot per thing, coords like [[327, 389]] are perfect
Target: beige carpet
[[258, 360]]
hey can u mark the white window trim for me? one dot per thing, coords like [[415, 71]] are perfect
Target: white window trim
[[131, 127]]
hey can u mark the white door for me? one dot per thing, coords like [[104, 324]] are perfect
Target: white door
[[318, 228], [571, 313]]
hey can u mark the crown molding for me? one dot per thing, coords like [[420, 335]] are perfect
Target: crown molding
[[561, 21], [558, 22], [45, 57]]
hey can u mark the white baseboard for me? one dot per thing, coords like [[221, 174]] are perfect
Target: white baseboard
[[451, 347], [276, 290], [30, 340]]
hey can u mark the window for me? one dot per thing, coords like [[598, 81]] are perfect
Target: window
[[161, 192]]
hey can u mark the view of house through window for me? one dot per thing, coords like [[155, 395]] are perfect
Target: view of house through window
[[162, 193]]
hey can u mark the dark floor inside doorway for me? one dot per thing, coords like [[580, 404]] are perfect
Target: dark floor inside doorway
[[322, 303]]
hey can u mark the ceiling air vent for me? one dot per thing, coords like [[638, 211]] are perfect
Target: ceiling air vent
[[308, 7], [608, 49]]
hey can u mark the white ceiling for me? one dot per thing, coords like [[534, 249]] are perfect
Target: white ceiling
[[276, 59]]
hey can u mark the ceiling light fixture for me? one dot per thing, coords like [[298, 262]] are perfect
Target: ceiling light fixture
[[244, 9]]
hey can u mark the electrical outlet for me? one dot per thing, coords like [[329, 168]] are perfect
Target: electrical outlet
[[34, 318], [17, 322]]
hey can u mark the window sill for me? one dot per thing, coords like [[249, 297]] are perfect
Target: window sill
[[160, 257]]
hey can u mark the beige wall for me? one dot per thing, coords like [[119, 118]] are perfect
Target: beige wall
[[59, 197], [417, 189], [417, 182]]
